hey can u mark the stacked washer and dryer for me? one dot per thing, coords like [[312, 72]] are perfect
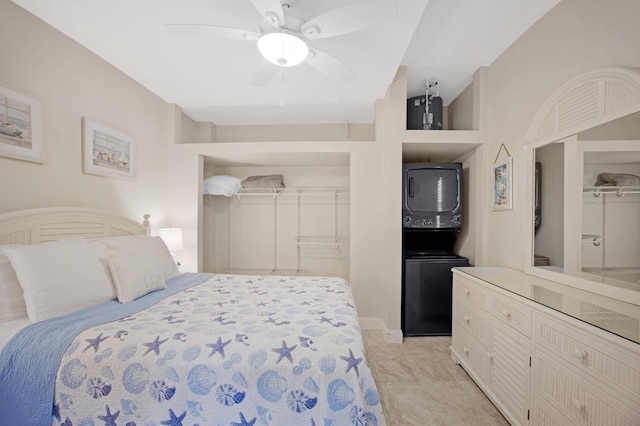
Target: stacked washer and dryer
[[431, 218]]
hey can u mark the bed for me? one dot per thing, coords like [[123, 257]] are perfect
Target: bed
[[162, 347]]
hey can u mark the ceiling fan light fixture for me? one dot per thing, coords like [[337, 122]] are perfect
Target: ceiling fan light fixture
[[283, 49]]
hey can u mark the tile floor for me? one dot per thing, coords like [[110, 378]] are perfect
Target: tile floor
[[420, 385]]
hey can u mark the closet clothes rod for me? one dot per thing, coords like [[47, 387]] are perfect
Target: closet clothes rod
[[618, 190]]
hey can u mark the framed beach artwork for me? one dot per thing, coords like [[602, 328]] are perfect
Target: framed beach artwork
[[502, 185], [107, 151], [20, 126]]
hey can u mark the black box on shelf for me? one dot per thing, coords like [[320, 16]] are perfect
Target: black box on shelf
[[416, 113]]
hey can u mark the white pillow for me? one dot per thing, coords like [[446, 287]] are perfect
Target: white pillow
[[11, 301], [139, 265], [222, 185], [60, 277]]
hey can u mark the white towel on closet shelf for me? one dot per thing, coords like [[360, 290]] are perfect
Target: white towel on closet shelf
[[221, 185]]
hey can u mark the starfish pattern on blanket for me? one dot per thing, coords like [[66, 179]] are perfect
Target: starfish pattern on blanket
[[94, 343], [244, 422], [174, 420], [109, 419], [218, 347], [284, 352], [352, 362], [154, 346], [325, 319]]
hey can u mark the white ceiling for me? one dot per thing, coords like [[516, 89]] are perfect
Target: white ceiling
[[210, 78]]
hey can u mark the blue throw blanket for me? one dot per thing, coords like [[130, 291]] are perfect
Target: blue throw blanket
[[30, 361]]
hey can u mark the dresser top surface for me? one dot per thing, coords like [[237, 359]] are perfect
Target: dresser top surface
[[612, 315]]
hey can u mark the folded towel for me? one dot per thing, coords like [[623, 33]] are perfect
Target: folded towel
[[269, 181], [617, 179]]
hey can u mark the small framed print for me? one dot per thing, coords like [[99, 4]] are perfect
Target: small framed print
[[502, 185], [107, 151], [20, 126]]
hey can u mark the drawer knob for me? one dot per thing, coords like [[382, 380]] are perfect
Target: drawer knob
[[506, 313], [579, 354], [466, 350], [467, 292], [577, 404], [466, 318]]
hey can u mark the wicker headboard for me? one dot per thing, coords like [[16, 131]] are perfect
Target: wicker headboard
[[41, 225]]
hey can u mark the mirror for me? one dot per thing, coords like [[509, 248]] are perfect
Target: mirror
[[586, 206]]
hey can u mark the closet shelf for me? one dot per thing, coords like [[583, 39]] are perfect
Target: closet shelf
[[274, 192], [618, 190]]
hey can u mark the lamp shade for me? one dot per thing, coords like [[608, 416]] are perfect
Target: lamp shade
[[172, 237], [283, 49]]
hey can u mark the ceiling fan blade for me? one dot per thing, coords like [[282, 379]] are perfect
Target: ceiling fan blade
[[264, 73], [331, 66], [212, 31], [271, 10], [348, 19]]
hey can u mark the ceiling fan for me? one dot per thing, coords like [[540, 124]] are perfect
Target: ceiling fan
[[283, 37]]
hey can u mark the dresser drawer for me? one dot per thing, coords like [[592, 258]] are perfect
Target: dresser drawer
[[607, 363], [472, 319], [577, 398], [471, 354], [517, 315], [544, 413], [465, 289]]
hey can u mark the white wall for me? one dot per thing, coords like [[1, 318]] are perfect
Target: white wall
[[460, 111], [72, 82], [575, 37], [466, 239]]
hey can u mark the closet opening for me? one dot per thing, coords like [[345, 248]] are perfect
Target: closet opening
[[290, 215]]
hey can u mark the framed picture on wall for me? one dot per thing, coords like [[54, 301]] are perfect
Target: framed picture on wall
[[107, 151], [502, 185], [20, 126]]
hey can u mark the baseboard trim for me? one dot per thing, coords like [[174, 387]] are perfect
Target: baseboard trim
[[375, 323]]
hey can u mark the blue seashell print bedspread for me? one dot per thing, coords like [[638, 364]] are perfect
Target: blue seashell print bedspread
[[235, 350], [30, 360]]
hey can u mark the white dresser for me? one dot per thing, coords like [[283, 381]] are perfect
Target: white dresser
[[546, 353]]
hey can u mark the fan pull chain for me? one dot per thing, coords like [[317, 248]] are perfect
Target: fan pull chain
[[281, 87]]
